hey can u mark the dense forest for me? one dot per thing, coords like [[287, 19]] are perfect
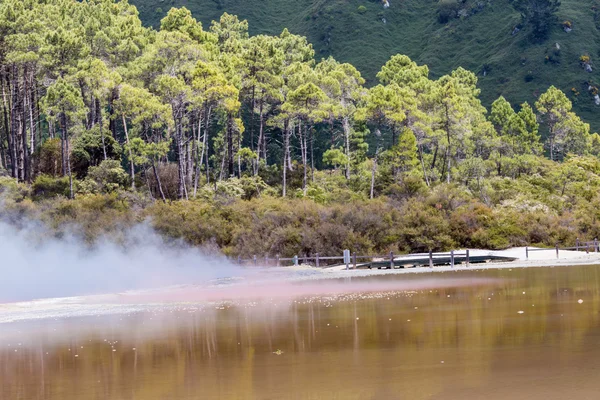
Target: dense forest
[[250, 145]]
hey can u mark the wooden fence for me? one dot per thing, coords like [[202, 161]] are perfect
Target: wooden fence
[[391, 260], [588, 247]]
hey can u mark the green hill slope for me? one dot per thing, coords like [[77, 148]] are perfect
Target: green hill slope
[[366, 34]]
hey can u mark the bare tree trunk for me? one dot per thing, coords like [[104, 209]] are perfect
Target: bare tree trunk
[[304, 150], [261, 138], [375, 160], [423, 165], [448, 153], [68, 157], [206, 143], [131, 164], [181, 191], [286, 145], [373, 171], [25, 144], [14, 126], [157, 177], [5, 108], [230, 157], [201, 158], [346, 126], [312, 154], [99, 111]]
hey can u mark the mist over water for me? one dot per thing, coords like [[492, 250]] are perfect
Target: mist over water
[[34, 264]]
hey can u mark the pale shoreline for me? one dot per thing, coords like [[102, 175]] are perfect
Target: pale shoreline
[[259, 279]]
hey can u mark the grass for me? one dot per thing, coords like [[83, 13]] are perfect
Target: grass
[[338, 28]]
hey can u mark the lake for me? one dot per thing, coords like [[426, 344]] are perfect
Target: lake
[[530, 333]]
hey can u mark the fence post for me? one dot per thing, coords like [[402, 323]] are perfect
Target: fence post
[[305, 262], [452, 258], [577, 244], [527, 253], [595, 245], [317, 260], [468, 258], [239, 260], [430, 258], [557, 250], [295, 261], [391, 260], [255, 260], [354, 259], [587, 248], [278, 261], [266, 261]]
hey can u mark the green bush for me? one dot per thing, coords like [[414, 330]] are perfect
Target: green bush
[[46, 186], [361, 9], [108, 177]]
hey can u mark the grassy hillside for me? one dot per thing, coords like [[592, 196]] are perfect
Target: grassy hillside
[[366, 34]]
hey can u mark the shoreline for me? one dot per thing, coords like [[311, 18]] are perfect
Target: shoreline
[[149, 300]]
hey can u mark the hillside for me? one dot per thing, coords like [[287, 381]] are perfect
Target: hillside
[[366, 34]]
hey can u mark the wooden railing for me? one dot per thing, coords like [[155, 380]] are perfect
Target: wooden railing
[[354, 260], [391, 260], [588, 247]]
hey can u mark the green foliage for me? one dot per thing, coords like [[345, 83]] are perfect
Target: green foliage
[[88, 151], [46, 186], [49, 158], [107, 177], [334, 158]]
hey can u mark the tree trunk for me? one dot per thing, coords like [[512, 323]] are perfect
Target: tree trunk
[[346, 126], [304, 151], [206, 143], [100, 125], [373, 171], [157, 177], [286, 149], [5, 108], [200, 158], [423, 166], [448, 153], [312, 155], [181, 191], [65, 134], [131, 164], [230, 158], [260, 139]]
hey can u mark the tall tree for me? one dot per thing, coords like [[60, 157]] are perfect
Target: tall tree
[[63, 102]]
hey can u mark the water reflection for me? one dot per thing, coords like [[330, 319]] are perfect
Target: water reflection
[[465, 342]]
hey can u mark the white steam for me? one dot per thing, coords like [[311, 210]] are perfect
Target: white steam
[[34, 264]]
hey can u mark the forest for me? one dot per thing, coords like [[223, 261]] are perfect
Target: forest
[[249, 145]]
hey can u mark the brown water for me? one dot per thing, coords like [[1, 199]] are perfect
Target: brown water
[[446, 343]]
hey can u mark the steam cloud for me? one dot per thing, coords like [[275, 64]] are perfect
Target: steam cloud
[[35, 265]]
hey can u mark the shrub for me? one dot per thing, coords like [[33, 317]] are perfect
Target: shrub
[[87, 150], [447, 10], [362, 9], [48, 158], [105, 178], [46, 186]]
